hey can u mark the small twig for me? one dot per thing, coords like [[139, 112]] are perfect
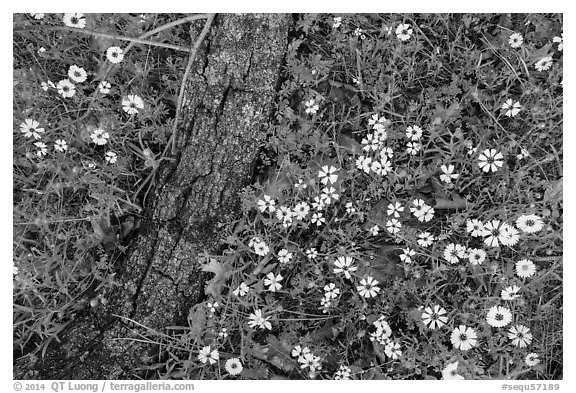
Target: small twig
[[157, 30], [57, 221], [193, 53], [164, 27], [105, 35], [358, 67], [515, 374], [308, 319]]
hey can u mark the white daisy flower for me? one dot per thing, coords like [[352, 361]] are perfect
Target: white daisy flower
[[403, 32], [132, 103], [544, 63], [463, 338], [490, 160], [368, 287], [515, 40], [337, 21], [66, 88], [525, 268], [74, 20], [511, 108], [114, 54], [104, 87], [498, 316], [77, 74], [529, 223], [31, 127]]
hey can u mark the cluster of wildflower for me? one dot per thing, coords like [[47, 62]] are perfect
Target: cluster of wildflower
[[287, 216], [343, 373], [377, 156], [76, 74], [382, 333], [464, 337], [307, 359], [260, 247], [421, 210], [212, 308], [223, 333], [493, 233], [67, 88], [496, 232], [209, 356], [330, 297], [31, 127], [543, 64], [328, 177], [414, 133]]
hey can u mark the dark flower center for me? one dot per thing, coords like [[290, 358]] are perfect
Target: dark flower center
[[463, 337], [499, 317]]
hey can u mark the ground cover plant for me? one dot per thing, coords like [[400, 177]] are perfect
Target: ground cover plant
[[405, 219]]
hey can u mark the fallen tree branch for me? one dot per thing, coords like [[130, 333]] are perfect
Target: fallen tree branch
[[157, 30], [104, 35]]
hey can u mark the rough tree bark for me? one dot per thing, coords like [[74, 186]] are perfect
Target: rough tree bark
[[227, 105]]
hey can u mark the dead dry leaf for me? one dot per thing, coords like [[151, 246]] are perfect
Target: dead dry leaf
[[221, 274]]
